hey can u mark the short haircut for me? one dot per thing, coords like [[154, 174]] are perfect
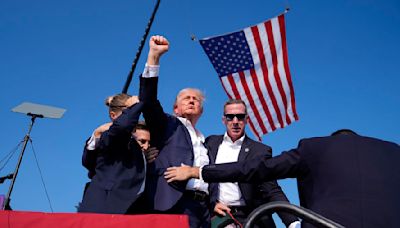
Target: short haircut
[[235, 101], [344, 132], [117, 102], [141, 125], [201, 96]]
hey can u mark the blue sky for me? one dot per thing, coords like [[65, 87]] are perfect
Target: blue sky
[[343, 57]]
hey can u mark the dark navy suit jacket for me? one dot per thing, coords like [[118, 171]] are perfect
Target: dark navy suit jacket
[[119, 167], [350, 179], [255, 193], [172, 139]]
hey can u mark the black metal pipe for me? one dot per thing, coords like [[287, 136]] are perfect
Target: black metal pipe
[[301, 212], [139, 51]]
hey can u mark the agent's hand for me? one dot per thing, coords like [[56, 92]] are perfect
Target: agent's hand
[[221, 208], [101, 129], [181, 173], [151, 154], [158, 46], [131, 101]]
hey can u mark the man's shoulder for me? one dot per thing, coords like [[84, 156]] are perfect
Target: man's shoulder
[[257, 148], [213, 139]]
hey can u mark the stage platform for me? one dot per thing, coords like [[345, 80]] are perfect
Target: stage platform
[[23, 219]]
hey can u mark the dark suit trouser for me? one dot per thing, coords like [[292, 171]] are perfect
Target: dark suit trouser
[[197, 210], [138, 207]]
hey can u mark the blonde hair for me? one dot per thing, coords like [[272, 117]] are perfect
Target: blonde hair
[[201, 96], [117, 102]]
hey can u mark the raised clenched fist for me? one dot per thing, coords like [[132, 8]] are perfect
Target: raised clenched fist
[[158, 46]]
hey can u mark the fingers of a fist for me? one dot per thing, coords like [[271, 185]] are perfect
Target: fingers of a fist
[[160, 40], [151, 154]]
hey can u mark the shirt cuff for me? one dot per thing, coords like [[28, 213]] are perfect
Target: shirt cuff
[[91, 144], [296, 224], [200, 171], [151, 71]]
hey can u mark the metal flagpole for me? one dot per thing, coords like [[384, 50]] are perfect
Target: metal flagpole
[[139, 51]]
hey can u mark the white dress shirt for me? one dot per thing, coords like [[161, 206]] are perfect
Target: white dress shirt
[[228, 151], [200, 155]]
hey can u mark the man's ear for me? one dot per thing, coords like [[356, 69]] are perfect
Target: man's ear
[[112, 115], [176, 109], [247, 119]]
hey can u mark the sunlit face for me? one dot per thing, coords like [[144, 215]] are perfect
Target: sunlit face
[[235, 120], [142, 137], [189, 104]]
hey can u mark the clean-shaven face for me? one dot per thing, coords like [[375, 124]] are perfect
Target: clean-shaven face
[[235, 120], [188, 104], [142, 137]]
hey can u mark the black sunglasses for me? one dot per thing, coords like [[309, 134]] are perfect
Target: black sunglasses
[[239, 116]]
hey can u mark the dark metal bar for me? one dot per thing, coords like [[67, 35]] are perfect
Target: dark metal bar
[[301, 212], [26, 139], [139, 51]]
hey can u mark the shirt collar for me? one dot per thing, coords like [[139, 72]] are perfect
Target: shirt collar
[[238, 142], [189, 125]]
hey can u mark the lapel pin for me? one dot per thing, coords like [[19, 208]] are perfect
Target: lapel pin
[[246, 150]]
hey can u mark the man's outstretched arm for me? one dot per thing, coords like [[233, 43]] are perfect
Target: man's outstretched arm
[[286, 165]]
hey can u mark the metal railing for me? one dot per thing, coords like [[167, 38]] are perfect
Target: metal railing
[[301, 212]]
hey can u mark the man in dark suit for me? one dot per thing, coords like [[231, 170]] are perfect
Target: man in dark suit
[[241, 198], [119, 173], [178, 141], [350, 179]]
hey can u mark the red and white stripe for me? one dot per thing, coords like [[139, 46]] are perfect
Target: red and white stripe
[[267, 89]]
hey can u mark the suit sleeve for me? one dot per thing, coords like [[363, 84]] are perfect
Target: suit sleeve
[[120, 131], [270, 191], [153, 113], [286, 165], [89, 158]]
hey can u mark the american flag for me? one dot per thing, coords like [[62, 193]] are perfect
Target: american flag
[[252, 65]]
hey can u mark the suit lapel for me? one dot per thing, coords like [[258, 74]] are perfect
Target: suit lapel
[[245, 149], [213, 148]]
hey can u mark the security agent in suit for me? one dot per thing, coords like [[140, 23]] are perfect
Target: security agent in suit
[[241, 198], [140, 133], [119, 174], [350, 179], [178, 141]]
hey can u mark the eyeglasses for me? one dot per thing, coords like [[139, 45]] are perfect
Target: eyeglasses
[[239, 116]]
